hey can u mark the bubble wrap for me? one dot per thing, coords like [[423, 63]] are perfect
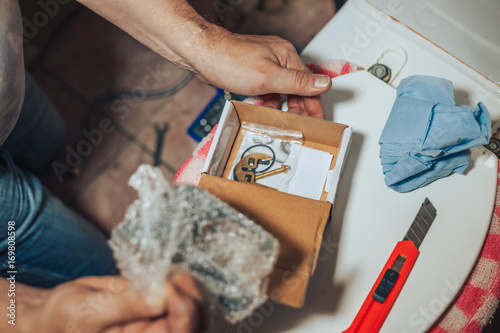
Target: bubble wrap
[[184, 227]]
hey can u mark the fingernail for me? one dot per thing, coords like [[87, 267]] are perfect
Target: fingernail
[[321, 81]]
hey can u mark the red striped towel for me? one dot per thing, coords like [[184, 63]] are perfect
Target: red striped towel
[[479, 297]]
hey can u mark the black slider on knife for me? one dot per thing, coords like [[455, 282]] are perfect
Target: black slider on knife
[[391, 275]]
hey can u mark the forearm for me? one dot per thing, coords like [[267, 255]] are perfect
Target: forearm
[[171, 28], [19, 303], [243, 64], [11, 66]]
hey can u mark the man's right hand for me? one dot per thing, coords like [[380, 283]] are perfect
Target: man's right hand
[[254, 65], [259, 65]]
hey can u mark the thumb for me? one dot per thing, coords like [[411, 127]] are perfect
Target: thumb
[[298, 82]]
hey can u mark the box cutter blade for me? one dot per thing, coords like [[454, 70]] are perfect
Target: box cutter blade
[[384, 292]]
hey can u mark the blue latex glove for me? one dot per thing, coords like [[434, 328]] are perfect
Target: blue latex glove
[[427, 135]]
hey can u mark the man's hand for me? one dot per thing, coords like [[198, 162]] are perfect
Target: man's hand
[[108, 305], [259, 65], [244, 64], [307, 106], [254, 65]]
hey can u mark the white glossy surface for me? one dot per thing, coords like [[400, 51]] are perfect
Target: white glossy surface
[[369, 218], [467, 29], [359, 31], [464, 203]]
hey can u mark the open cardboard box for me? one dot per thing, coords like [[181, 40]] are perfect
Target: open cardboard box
[[297, 222]]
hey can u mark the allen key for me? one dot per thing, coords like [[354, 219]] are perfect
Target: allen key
[[160, 137]]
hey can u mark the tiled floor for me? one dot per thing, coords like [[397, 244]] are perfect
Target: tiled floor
[[78, 58]]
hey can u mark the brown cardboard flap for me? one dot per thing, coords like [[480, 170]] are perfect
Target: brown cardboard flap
[[298, 224]]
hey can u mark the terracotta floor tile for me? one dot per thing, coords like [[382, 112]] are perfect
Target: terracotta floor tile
[[133, 115], [94, 57], [105, 65], [68, 186], [97, 144], [106, 199], [104, 142], [295, 20], [130, 111], [179, 113]]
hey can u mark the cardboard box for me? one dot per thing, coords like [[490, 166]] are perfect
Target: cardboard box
[[297, 222]]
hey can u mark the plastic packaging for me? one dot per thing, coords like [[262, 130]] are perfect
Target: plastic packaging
[[282, 146], [170, 228]]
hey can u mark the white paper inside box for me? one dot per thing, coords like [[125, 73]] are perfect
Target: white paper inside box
[[297, 222]]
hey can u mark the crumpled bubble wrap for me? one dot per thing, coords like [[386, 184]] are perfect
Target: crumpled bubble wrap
[[170, 228]]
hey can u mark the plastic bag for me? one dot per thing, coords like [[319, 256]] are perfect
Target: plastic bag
[[184, 227], [282, 146]]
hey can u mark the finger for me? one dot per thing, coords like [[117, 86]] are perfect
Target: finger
[[183, 313], [114, 284], [293, 106], [111, 307], [297, 82], [188, 286], [158, 325], [271, 101], [296, 105], [314, 106], [310, 106], [302, 106]]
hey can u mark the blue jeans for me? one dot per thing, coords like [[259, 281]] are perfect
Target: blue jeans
[[53, 244]]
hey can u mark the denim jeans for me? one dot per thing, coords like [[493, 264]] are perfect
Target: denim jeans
[[53, 244]]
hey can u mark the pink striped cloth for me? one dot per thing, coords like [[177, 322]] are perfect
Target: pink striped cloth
[[478, 298]]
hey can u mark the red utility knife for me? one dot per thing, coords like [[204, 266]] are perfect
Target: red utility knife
[[383, 294]]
